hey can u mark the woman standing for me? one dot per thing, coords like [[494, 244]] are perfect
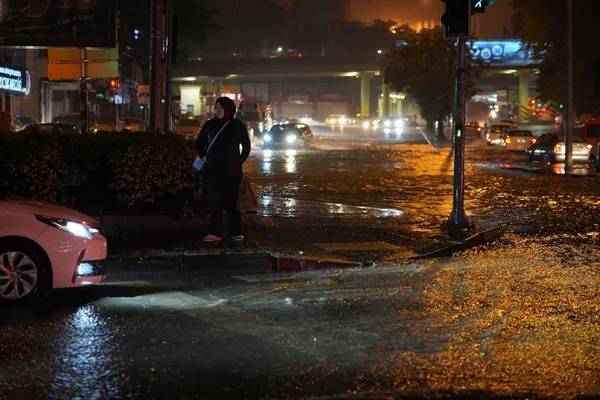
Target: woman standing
[[222, 171]]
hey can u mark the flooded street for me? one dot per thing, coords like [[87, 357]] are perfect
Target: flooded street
[[517, 318]]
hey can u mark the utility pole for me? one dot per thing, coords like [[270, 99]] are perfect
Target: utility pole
[[168, 61], [158, 70], [83, 92], [570, 112]]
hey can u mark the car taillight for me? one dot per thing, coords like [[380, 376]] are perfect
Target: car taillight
[[589, 147], [508, 140], [533, 141], [558, 148]]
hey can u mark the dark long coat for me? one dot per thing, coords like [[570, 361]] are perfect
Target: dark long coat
[[222, 170]]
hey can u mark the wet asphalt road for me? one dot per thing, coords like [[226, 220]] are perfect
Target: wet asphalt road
[[518, 318]]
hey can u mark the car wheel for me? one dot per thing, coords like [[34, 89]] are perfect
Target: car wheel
[[24, 273]]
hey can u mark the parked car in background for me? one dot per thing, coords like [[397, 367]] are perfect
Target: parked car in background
[[133, 125], [20, 123], [53, 129], [518, 140], [188, 128], [287, 136], [550, 148], [102, 124], [496, 133], [68, 119], [43, 247]]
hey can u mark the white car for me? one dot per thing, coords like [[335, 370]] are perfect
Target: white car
[[45, 247], [518, 140]]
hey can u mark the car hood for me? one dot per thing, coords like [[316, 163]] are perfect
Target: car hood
[[47, 210]]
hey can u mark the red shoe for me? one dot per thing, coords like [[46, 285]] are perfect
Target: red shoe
[[210, 238]]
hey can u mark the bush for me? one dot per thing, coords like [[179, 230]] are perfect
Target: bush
[[108, 173]]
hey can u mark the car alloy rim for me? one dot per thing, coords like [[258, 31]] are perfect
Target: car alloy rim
[[18, 275]]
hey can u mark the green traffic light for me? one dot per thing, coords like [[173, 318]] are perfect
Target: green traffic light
[[459, 133]]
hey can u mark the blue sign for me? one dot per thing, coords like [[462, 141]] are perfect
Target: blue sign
[[501, 53]]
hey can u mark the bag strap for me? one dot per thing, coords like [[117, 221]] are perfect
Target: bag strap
[[216, 136]]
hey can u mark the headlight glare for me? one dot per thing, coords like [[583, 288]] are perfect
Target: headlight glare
[[75, 228]]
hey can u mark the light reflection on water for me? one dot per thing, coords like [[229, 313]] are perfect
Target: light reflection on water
[[290, 207], [87, 369], [288, 157]]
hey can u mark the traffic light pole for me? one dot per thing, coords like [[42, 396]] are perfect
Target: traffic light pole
[[458, 220], [83, 92], [570, 113], [157, 75]]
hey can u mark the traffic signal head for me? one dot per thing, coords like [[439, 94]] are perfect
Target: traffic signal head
[[456, 18]]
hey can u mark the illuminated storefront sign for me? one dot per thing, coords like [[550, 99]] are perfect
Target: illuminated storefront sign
[[15, 80], [501, 53]]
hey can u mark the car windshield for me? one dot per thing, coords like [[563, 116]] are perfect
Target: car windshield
[[189, 122], [499, 128], [277, 129], [520, 133], [594, 131]]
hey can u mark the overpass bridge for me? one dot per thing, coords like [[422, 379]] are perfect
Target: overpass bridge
[[502, 63]]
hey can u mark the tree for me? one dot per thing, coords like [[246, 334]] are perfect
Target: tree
[[543, 26], [424, 68]]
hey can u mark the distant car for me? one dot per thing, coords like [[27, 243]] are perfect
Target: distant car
[[133, 125], [43, 247], [20, 123], [394, 122], [103, 125], [473, 129], [53, 129], [339, 120], [287, 136], [68, 119], [496, 133], [550, 148], [518, 140], [188, 128], [366, 123]]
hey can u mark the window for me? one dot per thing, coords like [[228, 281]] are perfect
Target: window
[[594, 131], [189, 109]]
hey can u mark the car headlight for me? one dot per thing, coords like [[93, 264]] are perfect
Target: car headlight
[[398, 123], [75, 228], [267, 137], [291, 138], [387, 123], [366, 125]]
